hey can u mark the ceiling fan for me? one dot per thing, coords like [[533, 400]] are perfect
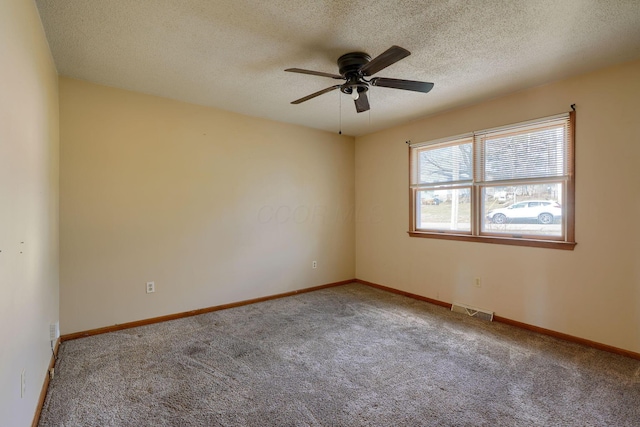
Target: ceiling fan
[[354, 67]]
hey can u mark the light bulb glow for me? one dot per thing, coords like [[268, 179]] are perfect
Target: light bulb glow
[[354, 93]]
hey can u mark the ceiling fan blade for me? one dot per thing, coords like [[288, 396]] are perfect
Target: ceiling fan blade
[[402, 84], [314, 73], [382, 61], [313, 95], [362, 103]]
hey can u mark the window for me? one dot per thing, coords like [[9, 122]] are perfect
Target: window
[[511, 185]]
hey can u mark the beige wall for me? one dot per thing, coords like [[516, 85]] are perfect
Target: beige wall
[[28, 208], [215, 207], [592, 292]]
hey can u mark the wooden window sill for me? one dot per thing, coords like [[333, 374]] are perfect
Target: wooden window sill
[[549, 244]]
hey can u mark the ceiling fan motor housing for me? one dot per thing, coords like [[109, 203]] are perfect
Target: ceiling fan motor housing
[[349, 65]]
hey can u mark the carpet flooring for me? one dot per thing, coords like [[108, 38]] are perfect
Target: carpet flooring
[[344, 356]]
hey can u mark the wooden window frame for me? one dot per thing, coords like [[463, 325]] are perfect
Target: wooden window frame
[[565, 242]]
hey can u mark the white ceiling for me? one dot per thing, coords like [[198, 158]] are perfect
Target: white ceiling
[[231, 54]]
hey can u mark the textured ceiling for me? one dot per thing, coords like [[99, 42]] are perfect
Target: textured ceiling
[[231, 54]]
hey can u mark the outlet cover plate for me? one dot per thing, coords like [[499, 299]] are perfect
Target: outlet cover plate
[[54, 331]]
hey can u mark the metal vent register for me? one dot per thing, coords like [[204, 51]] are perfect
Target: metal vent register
[[472, 311]]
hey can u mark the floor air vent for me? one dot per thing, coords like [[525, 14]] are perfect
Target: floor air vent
[[472, 311]]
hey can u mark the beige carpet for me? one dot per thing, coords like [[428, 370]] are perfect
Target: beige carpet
[[344, 356]]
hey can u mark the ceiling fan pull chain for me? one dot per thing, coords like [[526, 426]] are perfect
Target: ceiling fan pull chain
[[369, 111], [340, 111]]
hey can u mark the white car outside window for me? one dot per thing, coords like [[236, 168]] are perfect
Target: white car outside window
[[544, 211]]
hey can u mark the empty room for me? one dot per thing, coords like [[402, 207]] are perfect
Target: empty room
[[328, 213]]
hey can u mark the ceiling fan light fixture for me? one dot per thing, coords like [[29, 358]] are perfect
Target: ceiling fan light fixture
[[354, 93]]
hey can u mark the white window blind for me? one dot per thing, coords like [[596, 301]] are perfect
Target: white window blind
[[524, 151], [450, 163]]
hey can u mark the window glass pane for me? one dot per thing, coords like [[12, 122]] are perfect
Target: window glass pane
[[532, 154], [523, 209], [444, 209], [449, 163]]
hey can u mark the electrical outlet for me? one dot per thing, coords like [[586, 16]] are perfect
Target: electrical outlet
[[477, 282], [23, 383], [314, 264], [151, 287], [54, 331]]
